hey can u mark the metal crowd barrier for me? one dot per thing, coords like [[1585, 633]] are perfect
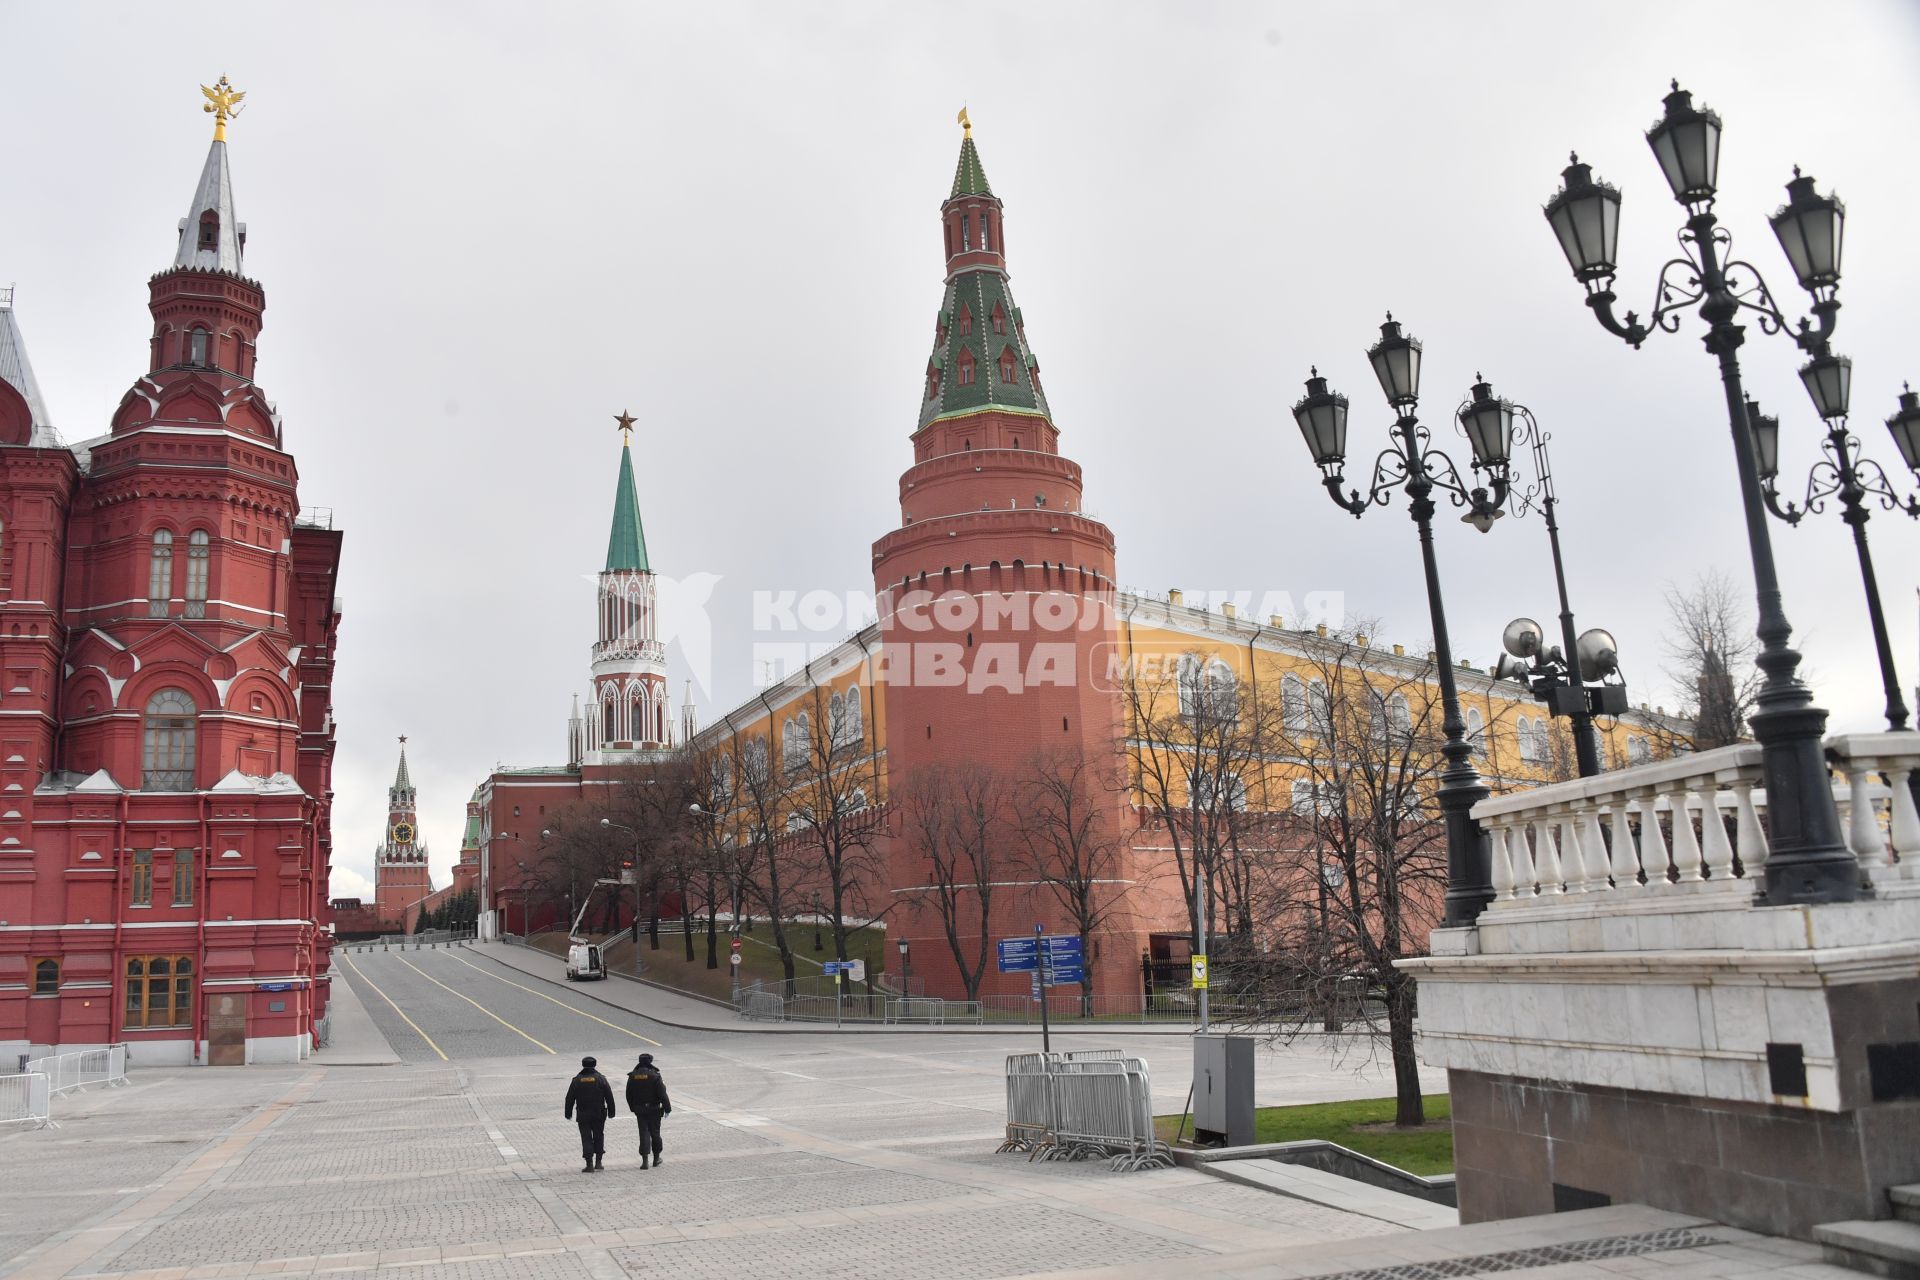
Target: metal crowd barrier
[[81, 1067], [763, 1006], [25, 1098], [1094, 1104]]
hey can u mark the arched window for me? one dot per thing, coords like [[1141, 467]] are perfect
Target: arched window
[[209, 230], [1006, 365], [637, 709], [795, 739], [853, 723], [1400, 716], [966, 231], [1531, 734], [46, 977], [1208, 689], [753, 762], [966, 320], [1476, 731], [198, 550], [1293, 704], [166, 762], [160, 575], [198, 347], [1639, 751], [986, 230], [1210, 792], [1320, 708], [966, 368], [608, 733], [999, 319]]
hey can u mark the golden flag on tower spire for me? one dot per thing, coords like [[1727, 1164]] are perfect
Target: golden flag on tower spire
[[963, 122]]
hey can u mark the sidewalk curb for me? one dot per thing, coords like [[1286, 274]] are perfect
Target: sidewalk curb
[[1123, 1028]]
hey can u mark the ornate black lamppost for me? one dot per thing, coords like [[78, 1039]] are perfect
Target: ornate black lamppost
[[1410, 462], [1569, 678], [1843, 473], [1808, 861]]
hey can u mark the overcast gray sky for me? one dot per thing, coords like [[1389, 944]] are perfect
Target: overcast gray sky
[[486, 228]]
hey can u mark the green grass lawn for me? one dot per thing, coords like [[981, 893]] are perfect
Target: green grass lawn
[[760, 959], [1352, 1125]]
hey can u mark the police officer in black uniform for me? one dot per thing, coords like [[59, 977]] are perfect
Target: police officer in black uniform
[[647, 1099], [592, 1097]]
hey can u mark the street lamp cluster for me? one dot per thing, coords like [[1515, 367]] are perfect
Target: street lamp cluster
[[1809, 861], [1579, 678]]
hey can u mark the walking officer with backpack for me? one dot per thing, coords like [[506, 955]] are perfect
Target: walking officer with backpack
[[590, 1105], [647, 1099]]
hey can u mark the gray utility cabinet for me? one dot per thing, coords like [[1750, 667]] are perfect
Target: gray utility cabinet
[[1223, 1090]]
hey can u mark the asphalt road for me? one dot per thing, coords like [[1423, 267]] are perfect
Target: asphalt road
[[454, 1006]]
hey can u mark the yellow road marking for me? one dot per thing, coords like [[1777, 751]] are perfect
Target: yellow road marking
[[475, 1003], [396, 1008], [562, 1003]]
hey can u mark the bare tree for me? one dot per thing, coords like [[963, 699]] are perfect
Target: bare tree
[[1367, 870], [955, 818], [1710, 647], [1074, 842], [1200, 745], [719, 868], [576, 853], [763, 806], [829, 772]]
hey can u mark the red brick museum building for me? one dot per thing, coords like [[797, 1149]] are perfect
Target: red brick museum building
[[167, 625]]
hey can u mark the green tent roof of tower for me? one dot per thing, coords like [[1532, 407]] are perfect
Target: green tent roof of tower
[[969, 177], [401, 782], [967, 343], [627, 544]]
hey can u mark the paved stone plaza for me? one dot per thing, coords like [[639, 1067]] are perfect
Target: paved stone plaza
[[427, 1142]]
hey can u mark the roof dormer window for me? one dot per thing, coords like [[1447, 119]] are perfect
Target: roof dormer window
[[199, 349], [999, 319], [966, 321], [210, 230]]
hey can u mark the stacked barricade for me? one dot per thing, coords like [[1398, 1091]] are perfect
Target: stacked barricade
[[76, 1070], [25, 1099], [1094, 1104]]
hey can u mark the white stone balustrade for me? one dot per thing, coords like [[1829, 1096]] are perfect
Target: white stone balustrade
[[1647, 830], [1876, 771], [1654, 828]]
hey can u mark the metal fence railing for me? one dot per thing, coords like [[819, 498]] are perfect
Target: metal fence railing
[[426, 939], [25, 1099], [812, 999], [80, 1068], [1094, 1104]]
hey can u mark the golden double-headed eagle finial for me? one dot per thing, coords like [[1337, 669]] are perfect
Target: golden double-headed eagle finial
[[223, 101]]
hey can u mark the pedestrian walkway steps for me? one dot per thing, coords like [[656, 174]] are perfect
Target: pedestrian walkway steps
[[1335, 1192], [1880, 1247], [1664, 1240]]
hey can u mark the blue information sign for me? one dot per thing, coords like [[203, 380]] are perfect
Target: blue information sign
[[830, 969], [1061, 957], [1019, 955]]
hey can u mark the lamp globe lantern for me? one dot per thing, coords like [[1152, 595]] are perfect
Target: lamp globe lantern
[[1322, 418], [1585, 216], [1686, 142], [1396, 363], [1810, 229], [1829, 383], [1905, 426]]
